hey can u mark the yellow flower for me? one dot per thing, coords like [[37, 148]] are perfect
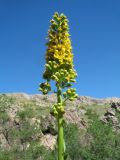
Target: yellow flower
[[59, 49]]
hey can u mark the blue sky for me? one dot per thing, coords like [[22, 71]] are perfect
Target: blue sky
[[95, 33]]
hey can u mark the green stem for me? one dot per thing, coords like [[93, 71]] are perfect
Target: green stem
[[60, 139], [60, 128]]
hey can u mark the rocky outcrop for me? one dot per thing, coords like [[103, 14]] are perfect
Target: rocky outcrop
[[26, 118], [51, 98], [116, 106], [112, 116]]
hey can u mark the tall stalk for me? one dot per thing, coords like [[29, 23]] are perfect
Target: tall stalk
[[60, 127], [59, 68]]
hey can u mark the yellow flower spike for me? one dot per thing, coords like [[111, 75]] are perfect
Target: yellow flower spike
[[60, 69]]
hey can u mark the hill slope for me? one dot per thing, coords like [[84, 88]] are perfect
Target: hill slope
[[26, 122]]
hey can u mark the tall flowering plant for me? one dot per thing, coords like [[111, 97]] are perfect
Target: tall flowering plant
[[60, 69]]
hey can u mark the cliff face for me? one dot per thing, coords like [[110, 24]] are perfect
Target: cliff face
[[25, 119]]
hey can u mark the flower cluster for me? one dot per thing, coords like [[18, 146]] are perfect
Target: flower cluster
[[57, 109], [70, 94], [59, 57], [45, 87], [59, 60]]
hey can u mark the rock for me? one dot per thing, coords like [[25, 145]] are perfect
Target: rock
[[110, 116], [12, 111], [73, 116], [49, 141], [110, 112], [113, 105], [3, 142], [17, 121], [20, 95], [115, 120], [103, 119], [48, 125]]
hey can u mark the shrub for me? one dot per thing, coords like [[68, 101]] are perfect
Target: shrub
[[105, 142]]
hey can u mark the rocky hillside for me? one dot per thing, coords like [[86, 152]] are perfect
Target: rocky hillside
[[25, 119]]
